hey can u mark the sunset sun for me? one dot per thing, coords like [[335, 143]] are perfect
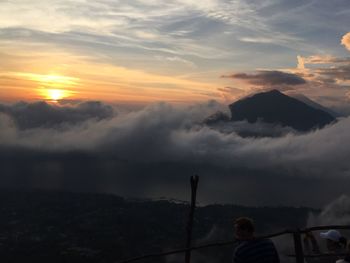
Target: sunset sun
[[56, 94], [52, 87]]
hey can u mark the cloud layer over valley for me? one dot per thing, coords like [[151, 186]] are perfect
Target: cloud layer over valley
[[151, 152]]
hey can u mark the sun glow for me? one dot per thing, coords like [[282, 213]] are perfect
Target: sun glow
[[56, 80], [52, 87], [55, 94], [86, 81], [50, 80]]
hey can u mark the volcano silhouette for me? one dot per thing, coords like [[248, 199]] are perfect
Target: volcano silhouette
[[276, 107]]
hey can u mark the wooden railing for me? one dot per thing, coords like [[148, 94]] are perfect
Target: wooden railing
[[296, 233], [298, 247]]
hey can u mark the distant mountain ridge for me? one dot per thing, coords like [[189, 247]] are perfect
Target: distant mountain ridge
[[276, 107]]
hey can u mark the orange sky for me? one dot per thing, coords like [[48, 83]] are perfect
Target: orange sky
[[78, 78], [146, 51]]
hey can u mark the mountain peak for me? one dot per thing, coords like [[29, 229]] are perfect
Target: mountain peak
[[273, 91], [275, 107]]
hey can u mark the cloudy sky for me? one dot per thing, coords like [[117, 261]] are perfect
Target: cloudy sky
[[110, 96], [144, 51]]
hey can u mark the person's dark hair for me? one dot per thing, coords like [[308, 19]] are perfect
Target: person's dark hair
[[245, 223]]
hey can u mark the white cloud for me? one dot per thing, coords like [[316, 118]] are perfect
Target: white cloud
[[346, 40], [174, 135], [301, 62], [167, 143], [136, 23]]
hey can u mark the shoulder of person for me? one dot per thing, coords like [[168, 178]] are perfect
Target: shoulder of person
[[241, 244], [266, 240], [341, 261]]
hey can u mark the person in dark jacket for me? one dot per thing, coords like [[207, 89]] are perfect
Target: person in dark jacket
[[249, 248]]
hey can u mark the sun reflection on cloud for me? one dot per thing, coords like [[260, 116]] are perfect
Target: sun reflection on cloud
[[51, 80]]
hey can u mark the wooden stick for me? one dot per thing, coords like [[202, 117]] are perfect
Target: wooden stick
[[194, 185], [298, 247]]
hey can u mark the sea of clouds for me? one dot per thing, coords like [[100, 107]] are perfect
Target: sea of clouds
[[150, 152]]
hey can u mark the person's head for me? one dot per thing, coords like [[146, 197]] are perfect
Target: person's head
[[244, 228], [334, 240]]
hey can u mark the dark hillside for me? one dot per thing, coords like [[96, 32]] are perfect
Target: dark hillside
[[70, 227]]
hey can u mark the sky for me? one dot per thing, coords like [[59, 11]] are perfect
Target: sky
[[175, 51], [110, 96]]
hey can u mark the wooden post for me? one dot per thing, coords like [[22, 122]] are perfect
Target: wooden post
[[299, 254], [194, 184]]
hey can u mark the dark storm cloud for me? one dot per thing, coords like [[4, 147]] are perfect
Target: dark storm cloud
[[151, 153], [42, 114], [269, 78]]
